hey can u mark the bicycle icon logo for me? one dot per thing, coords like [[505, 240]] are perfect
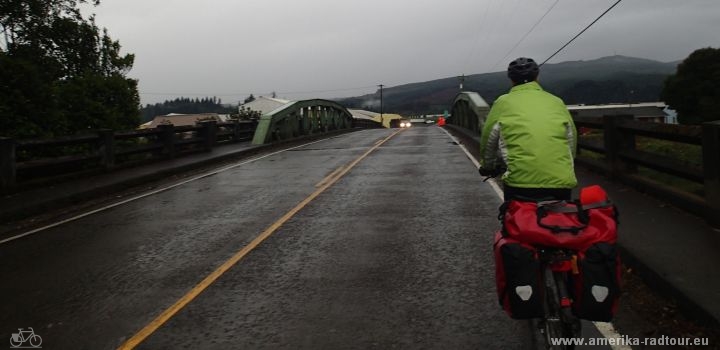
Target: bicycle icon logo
[[17, 340]]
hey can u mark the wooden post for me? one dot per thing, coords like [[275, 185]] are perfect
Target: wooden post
[[106, 147], [711, 170], [208, 133], [616, 141], [167, 138], [237, 133], [248, 129], [7, 162]]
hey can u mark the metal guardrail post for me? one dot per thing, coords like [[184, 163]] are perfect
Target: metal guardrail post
[[711, 170], [617, 141], [7, 162], [106, 147], [167, 138]]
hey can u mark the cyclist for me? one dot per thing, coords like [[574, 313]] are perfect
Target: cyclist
[[530, 135]]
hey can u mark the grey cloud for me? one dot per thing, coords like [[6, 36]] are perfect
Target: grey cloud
[[231, 48]]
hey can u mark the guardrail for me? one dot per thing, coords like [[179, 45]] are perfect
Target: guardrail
[[29, 162], [366, 124], [25, 161], [610, 145], [622, 158]]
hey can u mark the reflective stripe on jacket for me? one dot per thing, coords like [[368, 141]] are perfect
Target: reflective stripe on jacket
[[532, 132]]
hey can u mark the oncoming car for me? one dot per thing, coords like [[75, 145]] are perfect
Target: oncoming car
[[405, 124]]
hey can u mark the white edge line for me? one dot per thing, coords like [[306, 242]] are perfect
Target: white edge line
[[608, 331], [39, 229], [605, 328], [475, 162]]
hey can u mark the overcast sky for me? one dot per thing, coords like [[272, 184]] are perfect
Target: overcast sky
[[337, 48]]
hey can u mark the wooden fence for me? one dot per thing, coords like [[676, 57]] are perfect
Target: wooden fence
[[29, 162], [615, 150], [26, 161]]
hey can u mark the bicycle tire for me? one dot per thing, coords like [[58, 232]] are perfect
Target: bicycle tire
[[13, 344], [571, 324], [552, 324], [35, 341]]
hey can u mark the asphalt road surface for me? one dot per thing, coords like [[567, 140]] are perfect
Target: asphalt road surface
[[373, 239]]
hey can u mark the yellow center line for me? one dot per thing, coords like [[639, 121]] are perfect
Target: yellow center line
[[329, 177], [166, 315]]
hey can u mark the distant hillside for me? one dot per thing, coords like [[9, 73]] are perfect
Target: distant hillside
[[604, 80]]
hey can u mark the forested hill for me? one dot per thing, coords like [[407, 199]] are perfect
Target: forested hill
[[610, 79]]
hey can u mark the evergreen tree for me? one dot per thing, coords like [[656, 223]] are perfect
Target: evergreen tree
[[184, 105], [61, 73], [695, 89]]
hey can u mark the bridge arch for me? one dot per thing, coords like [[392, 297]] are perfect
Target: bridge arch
[[469, 111], [300, 118]]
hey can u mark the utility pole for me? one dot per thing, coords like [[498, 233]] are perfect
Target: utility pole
[[381, 104], [462, 81]]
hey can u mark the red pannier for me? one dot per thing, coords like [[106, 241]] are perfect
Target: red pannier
[[589, 229], [560, 224]]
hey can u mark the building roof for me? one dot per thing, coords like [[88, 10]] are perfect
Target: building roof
[[145, 125], [264, 104], [660, 105], [363, 114], [639, 110], [181, 119]]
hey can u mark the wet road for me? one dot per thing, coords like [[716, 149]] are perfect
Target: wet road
[[396, 252]]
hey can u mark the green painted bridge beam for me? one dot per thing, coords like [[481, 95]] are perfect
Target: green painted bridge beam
[[301, 118]]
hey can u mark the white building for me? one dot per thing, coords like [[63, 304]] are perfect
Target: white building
[[645, 111], [264, 104], [363, 114]]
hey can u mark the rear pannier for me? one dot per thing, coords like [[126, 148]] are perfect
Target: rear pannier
[[517, 277], [597, 286]]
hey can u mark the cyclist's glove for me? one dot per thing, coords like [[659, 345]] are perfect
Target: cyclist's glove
[[494, 172]]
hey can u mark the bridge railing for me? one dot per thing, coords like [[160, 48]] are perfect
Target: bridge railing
[[366, 124], [678, 163], [28, 161]]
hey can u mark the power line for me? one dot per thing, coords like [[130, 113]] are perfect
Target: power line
[[583, 31], [480, 37], [248, 93], [526, 35], [319, 91], [502, 24]]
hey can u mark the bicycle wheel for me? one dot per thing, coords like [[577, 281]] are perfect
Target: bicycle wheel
[[571, 325], [552, 325], [35, 341]]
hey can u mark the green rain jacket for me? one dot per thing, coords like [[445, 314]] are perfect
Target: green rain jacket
[[532, 132]]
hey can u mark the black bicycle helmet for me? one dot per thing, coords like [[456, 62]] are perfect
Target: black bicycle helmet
[[523, 70]]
